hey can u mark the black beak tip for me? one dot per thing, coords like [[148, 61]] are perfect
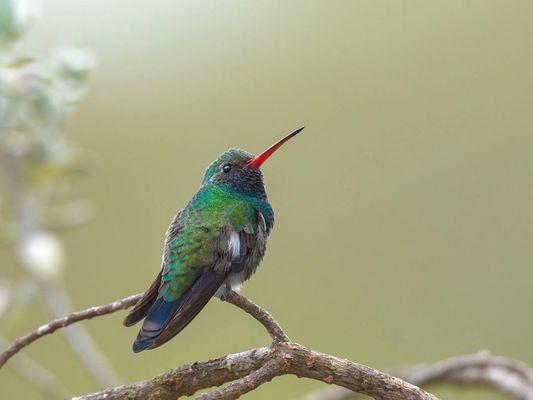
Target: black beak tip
[[296, 131]]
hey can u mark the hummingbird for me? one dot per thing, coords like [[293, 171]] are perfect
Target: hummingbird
[[211, 246]]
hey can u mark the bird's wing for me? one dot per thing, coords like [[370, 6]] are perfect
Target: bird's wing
[[195, 263], [194, 300]]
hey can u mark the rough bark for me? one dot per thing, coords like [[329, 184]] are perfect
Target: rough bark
[[243, 372]]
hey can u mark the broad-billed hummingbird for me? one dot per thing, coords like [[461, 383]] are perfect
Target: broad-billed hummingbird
[[214, 244]]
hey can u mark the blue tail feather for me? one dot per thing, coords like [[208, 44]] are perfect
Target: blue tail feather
[[156, 320], [166, 319]]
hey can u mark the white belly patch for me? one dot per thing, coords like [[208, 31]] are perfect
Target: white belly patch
[[234, 245]]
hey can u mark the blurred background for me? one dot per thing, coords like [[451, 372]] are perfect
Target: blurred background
[[403, 212]]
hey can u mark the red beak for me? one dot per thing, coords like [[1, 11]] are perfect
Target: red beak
[[258, 160]]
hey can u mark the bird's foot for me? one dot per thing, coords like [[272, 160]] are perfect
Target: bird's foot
[[222, 292]]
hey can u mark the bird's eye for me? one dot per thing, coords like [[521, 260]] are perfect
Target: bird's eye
[[226, 168]]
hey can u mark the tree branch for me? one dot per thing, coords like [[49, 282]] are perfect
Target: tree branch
[[289, 358], [256, 365], [259, 313], [248, 370], [188, 379], [266, 373], [509, 376], [356, 377], [59, 323]]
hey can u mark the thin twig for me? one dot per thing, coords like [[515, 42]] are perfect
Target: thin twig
[[63, 322], [79, 339], [259, 313]]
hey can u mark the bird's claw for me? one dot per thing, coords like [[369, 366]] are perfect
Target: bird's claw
[[224, 295]]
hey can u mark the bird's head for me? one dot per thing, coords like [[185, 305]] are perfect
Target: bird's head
[[239, 171]]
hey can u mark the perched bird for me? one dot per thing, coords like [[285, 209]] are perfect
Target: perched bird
[[216, 242]]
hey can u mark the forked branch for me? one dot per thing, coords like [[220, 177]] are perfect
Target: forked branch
[[244, 372]]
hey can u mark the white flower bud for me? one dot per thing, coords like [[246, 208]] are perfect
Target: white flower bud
[[43, 255]]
